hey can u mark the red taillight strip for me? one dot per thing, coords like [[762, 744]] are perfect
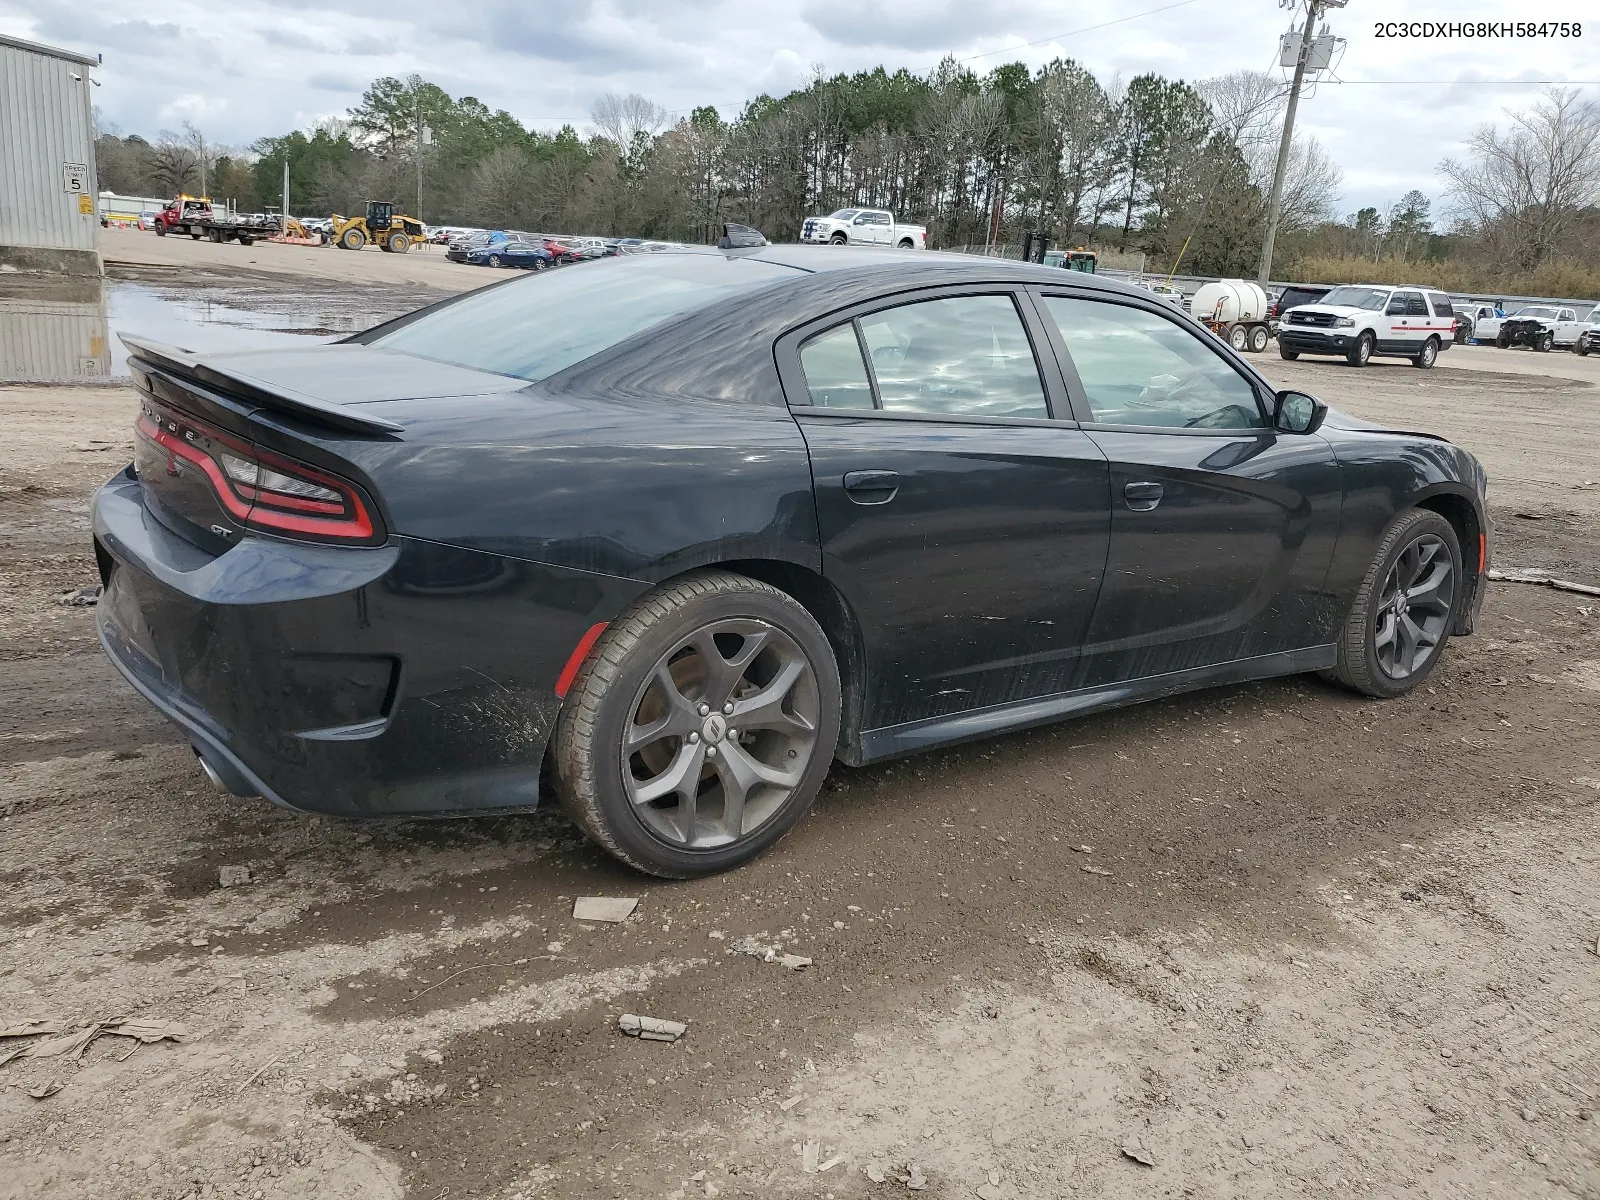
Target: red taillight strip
[[569, 673], [262, 510]]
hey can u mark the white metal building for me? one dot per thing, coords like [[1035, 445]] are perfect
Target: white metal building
[[48, 220]]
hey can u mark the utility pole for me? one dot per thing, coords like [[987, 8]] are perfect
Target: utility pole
[[1314, 10]]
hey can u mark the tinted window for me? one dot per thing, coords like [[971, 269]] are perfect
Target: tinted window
[[836, 376], [537, 326], [1442, 306], [1416, 306], [1138, 368], [964, 354]]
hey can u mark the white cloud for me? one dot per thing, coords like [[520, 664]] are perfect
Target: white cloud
[[254, 67]]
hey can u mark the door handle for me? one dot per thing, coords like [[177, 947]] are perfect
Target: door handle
[[871, 487], [1142, 497]]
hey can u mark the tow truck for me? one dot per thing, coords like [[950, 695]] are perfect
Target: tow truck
[[195, 216]]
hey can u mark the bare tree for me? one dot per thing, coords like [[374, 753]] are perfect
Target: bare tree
[[1246, 106], [621, 119], [1525, 187]]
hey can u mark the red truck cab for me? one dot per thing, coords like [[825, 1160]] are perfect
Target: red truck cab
[[181, 212]]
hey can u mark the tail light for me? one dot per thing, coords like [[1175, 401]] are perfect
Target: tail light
[[264, 491]]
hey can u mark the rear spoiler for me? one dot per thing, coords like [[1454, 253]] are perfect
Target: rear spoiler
[[242, 386]]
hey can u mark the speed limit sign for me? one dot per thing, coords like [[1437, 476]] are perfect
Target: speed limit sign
[[75, 177]]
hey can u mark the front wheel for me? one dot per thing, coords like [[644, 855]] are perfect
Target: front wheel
[[495, 261], [1503, 341], [1361, 353], [839, 239], [1286, 354], [1581, 347], [1544, 342], [1428, 355], [701, 726], [1400, 621]]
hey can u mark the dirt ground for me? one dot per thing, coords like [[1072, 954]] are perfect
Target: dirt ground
[[1274, 939]]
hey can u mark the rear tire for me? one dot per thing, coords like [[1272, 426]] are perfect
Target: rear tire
[[1434, 551], [1361, 353], [606, 759], [1237, 336], [398, 243], [1428, 355], [1258, 338], [907, 244]]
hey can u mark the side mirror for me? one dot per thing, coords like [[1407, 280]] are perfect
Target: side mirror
[[1296, 412], [1397, 308]]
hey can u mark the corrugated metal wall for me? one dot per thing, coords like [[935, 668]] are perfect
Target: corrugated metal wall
[[45, 124], [45, 341]]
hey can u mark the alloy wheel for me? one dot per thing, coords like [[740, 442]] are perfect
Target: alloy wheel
[[720, 734], [1414, 607]]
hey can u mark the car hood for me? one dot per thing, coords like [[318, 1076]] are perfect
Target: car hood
[[1343, 420], [1535, 320]]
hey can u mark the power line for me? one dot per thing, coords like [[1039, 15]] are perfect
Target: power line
[[1075, 32]]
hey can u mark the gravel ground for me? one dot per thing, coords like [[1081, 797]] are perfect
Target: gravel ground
[[1276, 939]]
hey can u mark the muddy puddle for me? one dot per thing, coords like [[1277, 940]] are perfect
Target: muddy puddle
[[69, 331]]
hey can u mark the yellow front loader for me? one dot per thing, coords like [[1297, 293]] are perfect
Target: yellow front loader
[[382, 226]]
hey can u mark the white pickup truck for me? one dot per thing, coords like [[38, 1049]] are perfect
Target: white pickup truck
[[864, 227]]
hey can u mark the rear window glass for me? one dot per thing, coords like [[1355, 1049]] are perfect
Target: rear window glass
[[1442, 306], [545, 323]]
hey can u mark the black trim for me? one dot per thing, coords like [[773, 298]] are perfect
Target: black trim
[[872, 745]]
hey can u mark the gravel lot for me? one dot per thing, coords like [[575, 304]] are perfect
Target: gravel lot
[[1276, 939]]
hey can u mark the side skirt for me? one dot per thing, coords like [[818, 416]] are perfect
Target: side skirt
[[873, 745]]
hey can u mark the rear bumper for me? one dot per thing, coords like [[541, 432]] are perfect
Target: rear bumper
[[406, 678]]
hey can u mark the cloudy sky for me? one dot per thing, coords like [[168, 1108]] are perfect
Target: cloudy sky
[[243, 68]]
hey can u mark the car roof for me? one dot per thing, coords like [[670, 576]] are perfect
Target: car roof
[[898, 266]]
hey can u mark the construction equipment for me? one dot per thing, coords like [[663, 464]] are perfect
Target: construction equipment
[[382, 226]]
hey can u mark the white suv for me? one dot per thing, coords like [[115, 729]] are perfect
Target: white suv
[[1358, 321]]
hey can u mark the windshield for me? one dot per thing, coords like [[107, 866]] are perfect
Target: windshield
[[844, 214], [1371, 299], [536, 326], [1537, 310]]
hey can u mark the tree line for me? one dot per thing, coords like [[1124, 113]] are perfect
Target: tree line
[[1174, 171]]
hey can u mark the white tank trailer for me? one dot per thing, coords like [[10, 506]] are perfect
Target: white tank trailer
[[1236, 310]]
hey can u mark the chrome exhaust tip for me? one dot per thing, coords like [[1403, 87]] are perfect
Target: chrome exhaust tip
[[211, 774]]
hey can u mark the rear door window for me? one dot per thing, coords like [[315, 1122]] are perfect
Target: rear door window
[[836, 374], [966, 355]]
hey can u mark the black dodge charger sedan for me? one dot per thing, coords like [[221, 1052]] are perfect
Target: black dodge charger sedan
[[668, 535]]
